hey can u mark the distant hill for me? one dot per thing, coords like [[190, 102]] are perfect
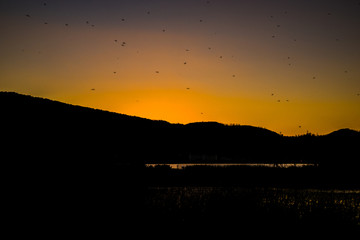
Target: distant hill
[[346, 132], [51, 131]]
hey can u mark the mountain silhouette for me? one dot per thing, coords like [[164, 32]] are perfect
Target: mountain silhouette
[[51, 131]]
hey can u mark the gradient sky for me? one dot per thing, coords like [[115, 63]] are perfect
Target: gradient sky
[[289, 66]]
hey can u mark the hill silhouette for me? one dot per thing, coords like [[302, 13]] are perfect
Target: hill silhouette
[[51, 131]]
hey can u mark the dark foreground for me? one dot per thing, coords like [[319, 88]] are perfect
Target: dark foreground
[[161, 202]]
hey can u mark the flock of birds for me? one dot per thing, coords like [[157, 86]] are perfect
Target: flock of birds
[[124, 44]]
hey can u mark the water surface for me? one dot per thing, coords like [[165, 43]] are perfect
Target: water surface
[[270, 165]]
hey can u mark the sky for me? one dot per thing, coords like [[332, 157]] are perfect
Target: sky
[[289, 66]]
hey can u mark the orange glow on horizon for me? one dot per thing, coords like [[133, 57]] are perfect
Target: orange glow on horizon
[[248, 68]]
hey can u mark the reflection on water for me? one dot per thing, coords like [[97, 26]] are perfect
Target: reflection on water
[[184, 165]]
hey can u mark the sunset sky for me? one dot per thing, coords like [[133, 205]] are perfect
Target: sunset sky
[[288, 66]]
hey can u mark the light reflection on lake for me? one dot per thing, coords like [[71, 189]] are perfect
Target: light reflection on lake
[[271, 165]]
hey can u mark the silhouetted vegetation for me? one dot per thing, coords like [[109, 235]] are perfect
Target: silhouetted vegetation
[[272, 211]]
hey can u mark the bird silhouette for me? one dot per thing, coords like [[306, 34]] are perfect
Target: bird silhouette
[[28, 15], [66, 24], [93, 89], [187, 88], [184, 63], [156, 71]]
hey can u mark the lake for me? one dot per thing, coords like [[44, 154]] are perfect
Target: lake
[[270, 165]]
